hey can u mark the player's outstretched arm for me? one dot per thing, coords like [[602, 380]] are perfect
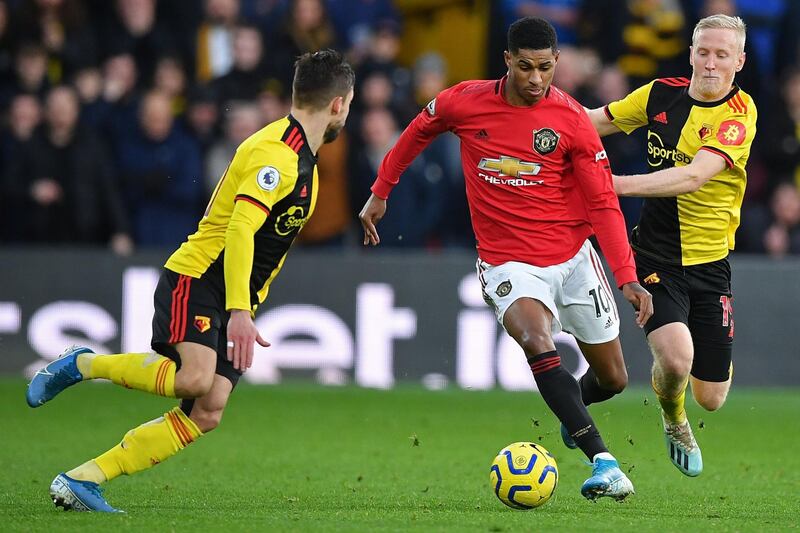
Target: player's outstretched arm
[[370, 215], [601, 122], [239, 246], [672, 181], [641, 300]]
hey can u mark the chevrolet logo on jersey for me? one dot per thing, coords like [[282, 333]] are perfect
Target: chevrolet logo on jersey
[[510, 166]]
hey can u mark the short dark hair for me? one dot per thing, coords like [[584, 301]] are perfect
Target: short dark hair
[[532, 33], [319, 77]]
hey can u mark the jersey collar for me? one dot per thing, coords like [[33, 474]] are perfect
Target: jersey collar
[[294, 122], [715, 103]]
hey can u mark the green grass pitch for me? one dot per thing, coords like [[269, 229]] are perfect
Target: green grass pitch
[[303, 458]]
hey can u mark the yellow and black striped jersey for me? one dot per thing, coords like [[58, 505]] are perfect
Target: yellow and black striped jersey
[[257, 209], [697, 227]]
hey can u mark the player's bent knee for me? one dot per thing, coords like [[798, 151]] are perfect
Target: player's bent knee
[[206, 420], [710, 402], [615, 383], [191, 383], [535, 344], [675, 366]]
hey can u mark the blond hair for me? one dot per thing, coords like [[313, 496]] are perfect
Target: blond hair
[[723, 22]]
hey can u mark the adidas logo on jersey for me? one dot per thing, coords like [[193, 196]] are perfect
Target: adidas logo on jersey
[[609, 323], [661, 117], [482, 134]]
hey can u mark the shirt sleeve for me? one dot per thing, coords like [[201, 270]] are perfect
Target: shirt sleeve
[[630, 113], [430, 122], [733, 135], [593, 176], [268, 174], [245, 220]]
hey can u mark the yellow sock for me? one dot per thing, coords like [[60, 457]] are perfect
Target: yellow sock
[[673, 408], [149, 372], [88, 471], [149, 444]]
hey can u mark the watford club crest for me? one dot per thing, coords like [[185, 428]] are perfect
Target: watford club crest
[[202, 323], [704, 132], [652, 278], [545, 141]]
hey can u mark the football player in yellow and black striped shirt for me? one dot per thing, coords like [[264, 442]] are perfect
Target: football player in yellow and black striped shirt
[[699, 134], [203, 330]]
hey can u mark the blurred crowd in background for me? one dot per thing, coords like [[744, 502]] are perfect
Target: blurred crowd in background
[[119, 116]]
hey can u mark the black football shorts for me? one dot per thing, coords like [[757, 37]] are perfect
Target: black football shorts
[[191, 310], [700, 297]]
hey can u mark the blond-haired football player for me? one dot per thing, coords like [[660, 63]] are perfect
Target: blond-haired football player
[[699, 133]]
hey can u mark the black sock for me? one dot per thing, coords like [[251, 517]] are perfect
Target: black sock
[[563, 395], [591, 391], [186, 406]]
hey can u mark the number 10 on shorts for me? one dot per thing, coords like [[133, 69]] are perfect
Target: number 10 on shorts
[[600, 300]]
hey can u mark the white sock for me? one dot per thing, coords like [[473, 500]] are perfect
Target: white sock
[[603, 455]]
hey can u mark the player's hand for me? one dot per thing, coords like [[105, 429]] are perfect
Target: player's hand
[[370, 215], [641, 300], [242, 333]]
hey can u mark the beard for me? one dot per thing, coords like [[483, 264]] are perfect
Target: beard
[[713, 88], [709, 87], [331, 132]]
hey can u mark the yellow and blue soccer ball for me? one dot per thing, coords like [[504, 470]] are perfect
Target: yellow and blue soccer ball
[[524, 475]]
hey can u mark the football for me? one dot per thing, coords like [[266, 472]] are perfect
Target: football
[[524, 475]]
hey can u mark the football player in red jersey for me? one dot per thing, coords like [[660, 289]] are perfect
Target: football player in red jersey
[[538, 185]]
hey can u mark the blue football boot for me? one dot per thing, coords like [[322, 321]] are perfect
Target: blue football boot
[[682, 449], [76, 495], [55, 377], [607, 480], [569, 442]]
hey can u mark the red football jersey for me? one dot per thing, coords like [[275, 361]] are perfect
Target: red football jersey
[[538, 180]]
